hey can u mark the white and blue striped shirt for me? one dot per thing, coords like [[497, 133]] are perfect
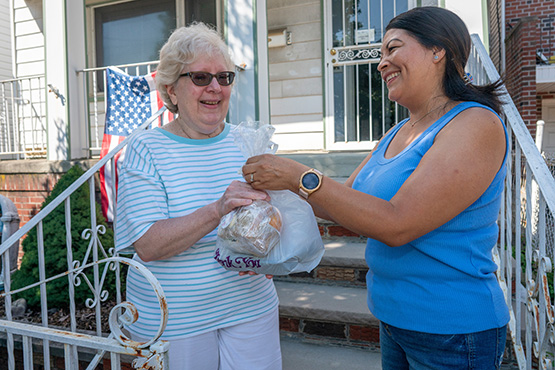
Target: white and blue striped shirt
[[166, 176]]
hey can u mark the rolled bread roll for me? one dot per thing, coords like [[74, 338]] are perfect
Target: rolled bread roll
[[253, 229]]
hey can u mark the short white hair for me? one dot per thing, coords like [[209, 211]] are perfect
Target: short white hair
[[185, 46]]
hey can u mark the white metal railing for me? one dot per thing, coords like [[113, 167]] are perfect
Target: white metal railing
[[151, 354], [23, 118], [95, 85], [526, 244]]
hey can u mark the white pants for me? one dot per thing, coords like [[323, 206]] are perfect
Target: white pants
[[253, 345]]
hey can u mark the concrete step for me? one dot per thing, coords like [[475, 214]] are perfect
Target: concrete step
[[324, 303], [304, 355], [342, 264], [328, 313], [344, 252]]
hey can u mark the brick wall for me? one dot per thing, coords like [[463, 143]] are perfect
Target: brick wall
[[521, 46], [27, 191], [544, 11], [28, 182], [529, 27], [494, 37], [537, 18]]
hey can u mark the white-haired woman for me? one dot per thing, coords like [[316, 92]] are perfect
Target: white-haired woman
[[175, 185]]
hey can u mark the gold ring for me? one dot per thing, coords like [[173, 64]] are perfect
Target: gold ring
[[252, 177]]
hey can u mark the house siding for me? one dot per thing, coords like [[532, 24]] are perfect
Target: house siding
[[295, 74], [29, 37], [5, 41]]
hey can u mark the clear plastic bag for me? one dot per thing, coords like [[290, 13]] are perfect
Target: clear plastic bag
[[299, 246], [254, 229]]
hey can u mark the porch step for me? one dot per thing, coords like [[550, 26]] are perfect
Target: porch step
[[324, 303], [328, 308], [343, 263], [327, 314]]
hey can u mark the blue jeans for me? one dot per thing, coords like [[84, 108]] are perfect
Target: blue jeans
[[405, 349]]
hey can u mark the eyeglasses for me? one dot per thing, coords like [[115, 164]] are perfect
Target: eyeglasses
[[205, 78]]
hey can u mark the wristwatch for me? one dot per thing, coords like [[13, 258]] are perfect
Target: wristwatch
[[310, 181]]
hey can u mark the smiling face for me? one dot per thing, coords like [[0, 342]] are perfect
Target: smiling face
[[201, 108], [410, 70]]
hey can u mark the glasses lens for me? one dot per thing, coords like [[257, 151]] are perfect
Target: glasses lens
[[204, 78], [201, 78], [225, 78]]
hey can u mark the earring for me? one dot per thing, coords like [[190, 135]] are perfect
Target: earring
[[436, 57]]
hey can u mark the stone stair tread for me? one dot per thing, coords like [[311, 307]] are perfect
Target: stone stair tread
[[297, 354], [328, 303], [344, 252]]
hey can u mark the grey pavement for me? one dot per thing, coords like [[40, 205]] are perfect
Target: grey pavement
[[299, 355]]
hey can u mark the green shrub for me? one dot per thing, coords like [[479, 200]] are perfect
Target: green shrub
[[55, 250]]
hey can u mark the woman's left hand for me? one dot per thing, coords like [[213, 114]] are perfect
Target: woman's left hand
[[270, 172]]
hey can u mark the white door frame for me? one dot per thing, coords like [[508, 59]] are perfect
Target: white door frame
[[548, 116]]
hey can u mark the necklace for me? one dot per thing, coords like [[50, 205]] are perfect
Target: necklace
[[209, 136], [424, 116]]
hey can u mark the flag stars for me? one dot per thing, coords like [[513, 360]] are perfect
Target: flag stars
[[128, 102]]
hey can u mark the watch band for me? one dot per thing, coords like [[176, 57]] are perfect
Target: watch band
[[303, 194]]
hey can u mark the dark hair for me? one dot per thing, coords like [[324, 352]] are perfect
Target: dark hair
[[438, 27]]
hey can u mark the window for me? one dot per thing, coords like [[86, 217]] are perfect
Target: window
[[201, 10], [133, 32]]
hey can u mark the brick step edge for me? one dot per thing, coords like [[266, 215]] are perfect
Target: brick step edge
[[327, 275], [344, 334]]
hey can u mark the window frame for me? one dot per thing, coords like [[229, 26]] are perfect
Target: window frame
[[92, 5]]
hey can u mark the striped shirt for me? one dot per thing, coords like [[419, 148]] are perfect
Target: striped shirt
[[166, 176]]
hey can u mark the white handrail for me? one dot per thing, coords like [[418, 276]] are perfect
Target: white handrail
[[66, 193]]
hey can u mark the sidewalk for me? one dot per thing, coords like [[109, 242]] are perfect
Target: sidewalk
[[306, 356]]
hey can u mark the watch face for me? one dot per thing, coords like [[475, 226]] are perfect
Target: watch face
[[310, 181]]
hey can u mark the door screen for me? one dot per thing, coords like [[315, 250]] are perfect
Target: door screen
[[358, 110]]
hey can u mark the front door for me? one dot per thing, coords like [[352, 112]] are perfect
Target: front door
[[358, 111], [548, 116]]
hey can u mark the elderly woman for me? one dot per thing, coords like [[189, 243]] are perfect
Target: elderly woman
[[175, 185], [427, 198]]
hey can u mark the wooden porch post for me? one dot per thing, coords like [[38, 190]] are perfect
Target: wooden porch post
[[246, 34], [64, 32]]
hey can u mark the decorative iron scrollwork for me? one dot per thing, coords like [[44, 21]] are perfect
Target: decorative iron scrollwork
[[538, 295], [349, 55]]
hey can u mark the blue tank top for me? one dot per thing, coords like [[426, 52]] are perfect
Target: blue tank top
[[443, 282]]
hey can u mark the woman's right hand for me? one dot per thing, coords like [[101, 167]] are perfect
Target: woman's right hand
[[236, 195], [174, 235]]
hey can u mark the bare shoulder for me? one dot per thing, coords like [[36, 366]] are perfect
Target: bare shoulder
[[477, 124]]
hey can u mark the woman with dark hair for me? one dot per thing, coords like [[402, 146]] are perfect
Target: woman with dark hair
[[427, 197]]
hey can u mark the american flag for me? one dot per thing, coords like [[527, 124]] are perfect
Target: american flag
[[130, 100]]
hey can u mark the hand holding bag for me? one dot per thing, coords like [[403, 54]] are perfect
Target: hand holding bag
[[298, 246]]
